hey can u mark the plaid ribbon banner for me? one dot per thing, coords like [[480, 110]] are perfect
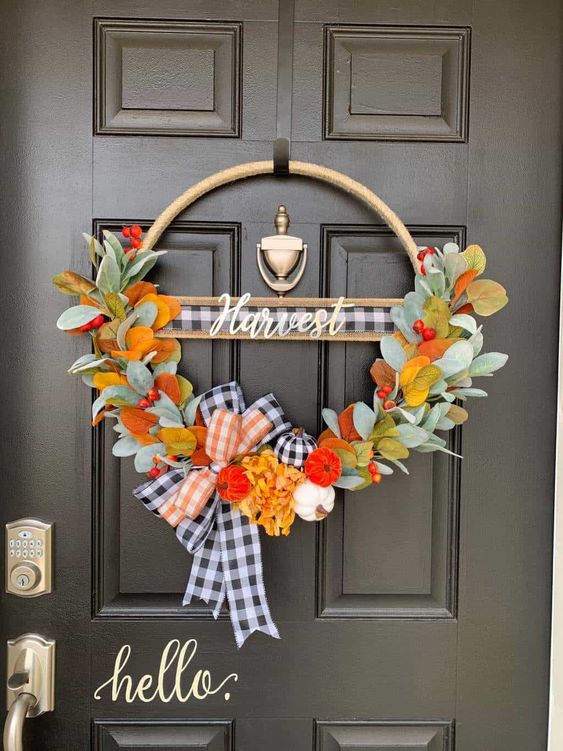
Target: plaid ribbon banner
[[365, 320], [227, 559]]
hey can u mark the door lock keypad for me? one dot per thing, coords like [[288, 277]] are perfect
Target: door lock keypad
[[28, 557]]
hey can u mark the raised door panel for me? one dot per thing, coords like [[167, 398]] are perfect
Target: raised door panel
[[396, 83], [130, 544], [168, 77], [116, 735], [391, 550], [385, 736]]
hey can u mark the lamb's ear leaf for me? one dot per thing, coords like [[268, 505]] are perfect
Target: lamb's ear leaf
[[144, 456], [76, 316], [487, 364], [331, 419], [109, 275], [364, 419], [139, 377], [190, 410], [393, 353], [349, 482], [116, 246], [126, 446]]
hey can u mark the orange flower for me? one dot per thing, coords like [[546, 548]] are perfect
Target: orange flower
[[270, 501], [233, 484], [323, 467]]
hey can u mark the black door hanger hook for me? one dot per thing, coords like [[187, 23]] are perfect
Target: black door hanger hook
[[282, 144]]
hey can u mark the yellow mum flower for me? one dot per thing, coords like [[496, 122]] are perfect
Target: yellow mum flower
[[270, 501]]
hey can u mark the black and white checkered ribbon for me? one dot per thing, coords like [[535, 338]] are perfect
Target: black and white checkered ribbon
[[359, 319], [227, 560]]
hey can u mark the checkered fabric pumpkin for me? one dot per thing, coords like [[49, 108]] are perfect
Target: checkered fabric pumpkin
[[294, 447]]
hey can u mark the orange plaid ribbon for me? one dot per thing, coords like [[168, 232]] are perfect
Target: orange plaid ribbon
[[228, 435]]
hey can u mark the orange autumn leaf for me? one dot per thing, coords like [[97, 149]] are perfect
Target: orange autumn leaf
[[99, 417], [435, 348], [163, 311], [139, 341], [173, 305], [102, 380], [139, 338], [138, 290], [106, 338], [382, 374], [199, 418], [164, 348], [167, 307], [137, 420], [200, 434], [325, 436], [338, 444], [464, 280], [168, 383], [145, 439], [346, 424], [85, 300], [467, 308], [199, 457]]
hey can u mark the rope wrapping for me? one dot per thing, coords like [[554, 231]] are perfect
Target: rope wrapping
[[305, 169]]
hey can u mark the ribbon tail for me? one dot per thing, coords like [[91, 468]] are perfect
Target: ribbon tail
[[241, 559], [206, 580]]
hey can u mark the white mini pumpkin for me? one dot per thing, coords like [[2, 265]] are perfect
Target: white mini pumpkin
[[313, 502]]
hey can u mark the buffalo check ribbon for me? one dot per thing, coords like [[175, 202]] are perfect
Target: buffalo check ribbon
[[227, 559]]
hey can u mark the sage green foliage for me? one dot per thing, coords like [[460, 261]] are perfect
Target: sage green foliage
[[422, 399]]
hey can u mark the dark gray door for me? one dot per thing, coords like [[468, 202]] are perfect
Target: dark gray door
[[417, 615]]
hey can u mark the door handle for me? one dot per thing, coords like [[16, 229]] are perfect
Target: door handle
[[13, 728], [30, 684]]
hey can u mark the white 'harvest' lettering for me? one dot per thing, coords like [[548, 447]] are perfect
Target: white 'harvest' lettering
[[261, 322]]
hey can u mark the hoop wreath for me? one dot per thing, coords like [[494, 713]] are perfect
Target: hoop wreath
[[217, 469]]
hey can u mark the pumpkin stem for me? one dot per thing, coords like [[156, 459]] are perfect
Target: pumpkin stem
[[299, 432]]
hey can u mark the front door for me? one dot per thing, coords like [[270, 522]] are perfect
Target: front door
[[416, 616]]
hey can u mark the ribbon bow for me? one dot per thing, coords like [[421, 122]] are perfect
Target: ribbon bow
[[227, 560], [228, 435]]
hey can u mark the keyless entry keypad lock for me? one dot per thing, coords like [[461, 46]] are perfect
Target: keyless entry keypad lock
[[29, 557]]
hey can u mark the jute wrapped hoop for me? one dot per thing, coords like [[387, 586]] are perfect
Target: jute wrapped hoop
[[315, 171]]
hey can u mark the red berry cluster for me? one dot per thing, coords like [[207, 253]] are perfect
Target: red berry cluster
[[427, 332], [383, 393], [156, 471], [375, 474], [422, 255], [94, 324], [153, 395], [135, 233]]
